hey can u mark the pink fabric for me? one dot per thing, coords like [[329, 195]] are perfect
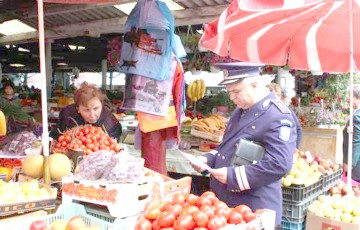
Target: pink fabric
[[353, 182]]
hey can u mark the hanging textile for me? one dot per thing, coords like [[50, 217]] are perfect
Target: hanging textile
[[146, 48]]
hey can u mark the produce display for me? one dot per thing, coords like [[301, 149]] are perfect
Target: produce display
[[188, 211], [196, 90], [86, 138], [74, 223], [307, 170], [341, 208], [59, 165], [20, 142], [342, 189], [18, 192], [211, 124]]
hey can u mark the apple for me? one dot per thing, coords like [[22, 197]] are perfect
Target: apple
[[346, 217], [312, 209], [321, 169], [38, 225], [75, 223], [334, 190]]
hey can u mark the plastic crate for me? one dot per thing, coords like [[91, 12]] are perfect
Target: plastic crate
[[288, 225], [296, 213], [68, 211], [330, 180], [300, 193]]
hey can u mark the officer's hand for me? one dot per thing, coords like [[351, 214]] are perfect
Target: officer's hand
[[197, 168], [220, 174]]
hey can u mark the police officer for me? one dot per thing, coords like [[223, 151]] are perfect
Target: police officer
[[259, 117]]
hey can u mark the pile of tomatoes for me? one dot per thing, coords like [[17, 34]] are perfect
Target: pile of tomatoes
[[88, 139], [188, 211]]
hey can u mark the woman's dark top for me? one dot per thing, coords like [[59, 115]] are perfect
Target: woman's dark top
[[106, 120]]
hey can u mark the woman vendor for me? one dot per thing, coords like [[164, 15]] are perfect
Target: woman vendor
[[88, 109], [8, 93]]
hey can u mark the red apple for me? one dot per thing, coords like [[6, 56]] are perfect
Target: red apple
[[334, 190], [75, 223], [317, 158], [344, 190], [325, 164], [38, 225], [321, 169]]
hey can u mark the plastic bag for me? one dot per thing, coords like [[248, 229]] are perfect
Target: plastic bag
[[19, 142], [124, 168], [94, 165]]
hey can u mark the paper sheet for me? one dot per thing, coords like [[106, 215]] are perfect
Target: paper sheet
[[195, 161]]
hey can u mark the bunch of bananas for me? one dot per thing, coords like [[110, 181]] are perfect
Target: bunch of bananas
[[196, 90], [212, 124]]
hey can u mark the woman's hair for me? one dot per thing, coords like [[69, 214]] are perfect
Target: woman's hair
[[86, 92], [7, 83], [275, 88], [356, 91]]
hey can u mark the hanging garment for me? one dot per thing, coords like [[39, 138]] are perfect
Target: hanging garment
[[148, 33]]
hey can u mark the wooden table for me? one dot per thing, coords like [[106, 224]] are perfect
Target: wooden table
[[324, 142]]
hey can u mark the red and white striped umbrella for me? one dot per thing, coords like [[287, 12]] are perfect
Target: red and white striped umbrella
[[307, 35]]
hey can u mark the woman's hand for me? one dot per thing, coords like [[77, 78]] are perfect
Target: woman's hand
[[220, 174]]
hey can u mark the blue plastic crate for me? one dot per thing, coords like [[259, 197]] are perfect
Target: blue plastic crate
[[68, 211], [288, 225]]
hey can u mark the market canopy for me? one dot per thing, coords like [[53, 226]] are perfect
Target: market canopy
[[311, 35], [88, 25]]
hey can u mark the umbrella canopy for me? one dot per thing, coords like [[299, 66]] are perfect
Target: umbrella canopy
[[313, 35], [307, 35]]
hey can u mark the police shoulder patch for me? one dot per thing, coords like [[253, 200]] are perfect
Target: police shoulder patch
[[281, 106], [285, 129]]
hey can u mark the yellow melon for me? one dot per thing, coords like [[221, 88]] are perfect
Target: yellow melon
[[59, 165], [33, 166]]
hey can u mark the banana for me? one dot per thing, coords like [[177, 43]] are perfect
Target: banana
[[193, 91], [215, 121], [209, 123], [203, 88], [188, 90], [199, 89], [219, 120]]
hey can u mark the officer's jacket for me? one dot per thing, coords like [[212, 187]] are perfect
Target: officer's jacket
[[258, 185]]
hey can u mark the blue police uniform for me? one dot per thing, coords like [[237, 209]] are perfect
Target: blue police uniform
[[258, 185]]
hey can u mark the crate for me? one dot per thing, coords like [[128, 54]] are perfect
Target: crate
[[330, 180], [66, 212], [288, 225], [296, 212], [47, 203], [208, 136], [117, 197], [299, 193]]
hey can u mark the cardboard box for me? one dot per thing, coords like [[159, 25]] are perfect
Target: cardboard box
[[322, 223]]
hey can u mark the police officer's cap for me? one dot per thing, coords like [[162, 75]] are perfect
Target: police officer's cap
[[237, 71]]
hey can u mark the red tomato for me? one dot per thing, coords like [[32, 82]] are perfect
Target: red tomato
[[152, 213], [68, 138], [208, 210], [221, 204], [184, 222], [143, 224], [248, 216], [201, 219], [175, 209], [191, 199], [216, 223], [210, 195], [178, 198], [242, 207], [190, 209], [235, 218], [225, 212], [203, 201], [169, 228], [200, 228], [61, 138], [165, 219]]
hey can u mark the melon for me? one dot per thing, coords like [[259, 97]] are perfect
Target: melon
[[33, 166], [59, 165]]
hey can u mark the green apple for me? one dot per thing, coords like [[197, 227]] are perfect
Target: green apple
[[312, 208], [346, 217]]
